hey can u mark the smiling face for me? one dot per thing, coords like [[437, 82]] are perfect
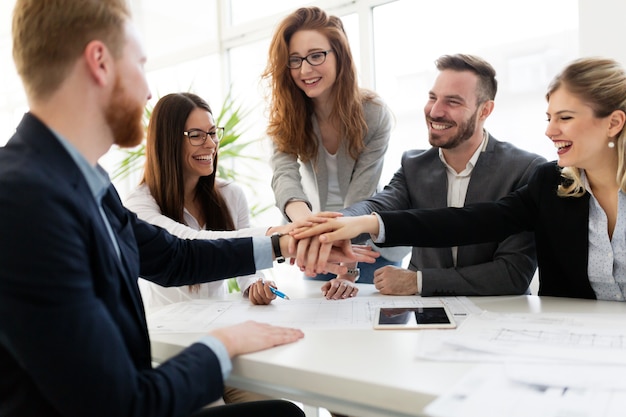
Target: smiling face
[[451, 112], [315, 81], [581, 138], [198, 161]]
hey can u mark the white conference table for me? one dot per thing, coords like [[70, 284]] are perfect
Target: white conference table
[[363, 372]]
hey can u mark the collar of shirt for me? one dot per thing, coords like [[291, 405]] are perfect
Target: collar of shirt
[[98, 182], [471, 163], [458, 183], [96, 177], [191, 221]]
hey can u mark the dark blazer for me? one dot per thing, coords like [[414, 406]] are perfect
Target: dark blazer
[[560, 226], [73, 335], [489, 268]]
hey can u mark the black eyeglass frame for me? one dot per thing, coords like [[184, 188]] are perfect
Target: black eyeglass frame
[[306, 58], [216, 136]]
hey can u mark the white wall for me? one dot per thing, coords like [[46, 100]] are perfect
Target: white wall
[[601, 30]]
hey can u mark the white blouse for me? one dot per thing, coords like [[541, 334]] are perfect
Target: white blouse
[[141, 202]]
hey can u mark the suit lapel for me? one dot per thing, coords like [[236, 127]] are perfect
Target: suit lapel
[[435, 181], [319, 167], [434, 194], [482, 173], [122, 229], [345, 168]]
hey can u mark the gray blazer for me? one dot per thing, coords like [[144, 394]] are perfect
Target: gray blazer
[[483, 269], [358, 179]]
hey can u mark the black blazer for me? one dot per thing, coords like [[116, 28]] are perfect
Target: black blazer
[[73, 335], [560, 226]]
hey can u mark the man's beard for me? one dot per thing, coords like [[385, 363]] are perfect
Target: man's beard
[[466, 130], [124, 117]]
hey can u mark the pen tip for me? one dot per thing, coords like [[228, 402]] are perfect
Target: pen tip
[[287, 298]]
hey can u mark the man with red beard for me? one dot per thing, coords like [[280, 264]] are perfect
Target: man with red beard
[[466, 164], [73, 335]]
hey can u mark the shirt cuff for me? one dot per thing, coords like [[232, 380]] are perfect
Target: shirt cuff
[[220, 351], [381, 230], [419, 282], [246, 292], [262, 248]]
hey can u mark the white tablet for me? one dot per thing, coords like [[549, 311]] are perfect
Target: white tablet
[[438, 317]]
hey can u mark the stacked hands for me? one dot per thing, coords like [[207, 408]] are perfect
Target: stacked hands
[[321, 245], [323, 242]]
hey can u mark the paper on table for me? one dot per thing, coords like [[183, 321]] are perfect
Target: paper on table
[[528, 337], [551, 365], [487, 392], [186, 317], [201, 315], [600, 377]]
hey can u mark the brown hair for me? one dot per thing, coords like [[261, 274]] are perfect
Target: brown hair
[[50, 35], [601, 84], [487, 84], [290, 111], [163, 173]]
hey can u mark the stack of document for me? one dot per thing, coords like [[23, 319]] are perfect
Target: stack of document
[[545, 365]]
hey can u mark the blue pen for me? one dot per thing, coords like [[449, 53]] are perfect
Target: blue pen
[[279, 294]]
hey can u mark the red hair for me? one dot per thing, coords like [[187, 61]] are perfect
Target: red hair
[[290, 109]]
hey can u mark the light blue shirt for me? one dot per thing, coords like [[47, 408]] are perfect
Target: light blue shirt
[[98, 181], [607, 257]]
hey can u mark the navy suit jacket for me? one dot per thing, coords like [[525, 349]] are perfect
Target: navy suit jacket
[[73, 335], [488, 268], [560, 226]]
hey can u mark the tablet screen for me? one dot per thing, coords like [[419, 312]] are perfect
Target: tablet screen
[[414, 317]]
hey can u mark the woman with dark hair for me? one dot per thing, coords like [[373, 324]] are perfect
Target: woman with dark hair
[[329, 135], [181, 193]]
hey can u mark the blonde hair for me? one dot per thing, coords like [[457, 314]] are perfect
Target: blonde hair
[[290, 111], [50, 35], [601, 84]]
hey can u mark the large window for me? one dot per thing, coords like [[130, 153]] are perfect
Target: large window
[[177, 30], [211, 46], [244, 12], [523, 41]]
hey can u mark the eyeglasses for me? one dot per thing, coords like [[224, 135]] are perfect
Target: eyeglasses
[[197, 137], [314, 59]]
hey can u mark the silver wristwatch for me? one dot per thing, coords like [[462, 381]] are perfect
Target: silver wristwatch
[[355, 272]]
